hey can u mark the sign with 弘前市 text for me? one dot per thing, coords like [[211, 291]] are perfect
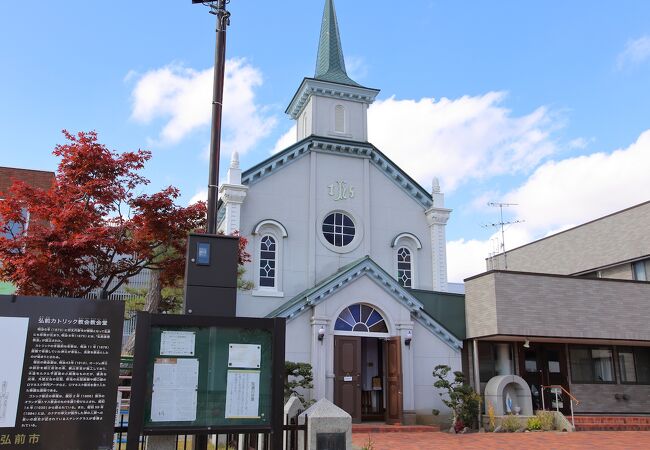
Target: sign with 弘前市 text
[[59, 377]]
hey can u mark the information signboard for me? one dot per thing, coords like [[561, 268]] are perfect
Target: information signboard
[[58, 372], [199, 374]]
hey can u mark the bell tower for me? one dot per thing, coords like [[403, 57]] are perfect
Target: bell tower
[[331, 104]]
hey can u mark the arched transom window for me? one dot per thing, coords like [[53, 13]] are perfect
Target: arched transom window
[[404, 267], [267, 261], [360, 317]]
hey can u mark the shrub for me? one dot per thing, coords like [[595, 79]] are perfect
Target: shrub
[[510, 423], [546, 419], [463, 401], [297, 378], [534, 423]]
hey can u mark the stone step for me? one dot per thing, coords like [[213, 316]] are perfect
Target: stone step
[[612, 423], [611, 427], [385, 428], [638, 420]]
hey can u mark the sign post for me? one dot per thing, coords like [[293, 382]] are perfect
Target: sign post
[[204, 375], [59, 371]]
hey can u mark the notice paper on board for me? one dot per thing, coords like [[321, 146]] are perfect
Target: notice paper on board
[[244, 356], [177, 343], [175, 384], [243, 394]]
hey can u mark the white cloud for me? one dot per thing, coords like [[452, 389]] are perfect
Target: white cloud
[[182, 97], [287, 139], [460, 139], [574, 190], [201, 196], [636, 52], [456, 140], [579, 143], [561, 194]]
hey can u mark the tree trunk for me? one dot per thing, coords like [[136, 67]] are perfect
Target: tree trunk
[[151, 305]]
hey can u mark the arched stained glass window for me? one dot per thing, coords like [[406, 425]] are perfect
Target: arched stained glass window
[[404, 267], [361, 318], [267, 261]]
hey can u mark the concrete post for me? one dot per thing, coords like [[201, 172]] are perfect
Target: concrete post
[[324, 417]]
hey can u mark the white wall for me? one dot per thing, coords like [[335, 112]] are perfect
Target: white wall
[[320, 119], [428, 352], [298, 196]]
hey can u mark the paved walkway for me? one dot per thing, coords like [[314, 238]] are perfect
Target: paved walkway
[[591, 440]]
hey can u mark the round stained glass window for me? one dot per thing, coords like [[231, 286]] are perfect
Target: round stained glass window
[[361, 318], [338, 229]]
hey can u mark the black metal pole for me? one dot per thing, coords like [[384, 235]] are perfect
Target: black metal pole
[[223, 20]]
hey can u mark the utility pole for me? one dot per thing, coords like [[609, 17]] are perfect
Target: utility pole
[[218, 8], [501, 224]]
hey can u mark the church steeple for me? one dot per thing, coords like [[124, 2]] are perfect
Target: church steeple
[[331, 104], [330, 65]]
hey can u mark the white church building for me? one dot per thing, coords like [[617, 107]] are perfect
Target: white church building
[[351, 250]]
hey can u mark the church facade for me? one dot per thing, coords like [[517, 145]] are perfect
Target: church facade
[[350, 249]]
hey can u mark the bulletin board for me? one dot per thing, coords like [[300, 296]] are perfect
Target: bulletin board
[[207, 374]]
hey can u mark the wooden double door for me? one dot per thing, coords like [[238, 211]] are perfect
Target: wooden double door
[[545, 364], [348, 371]]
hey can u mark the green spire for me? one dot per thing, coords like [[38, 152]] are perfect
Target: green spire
[[330, 65]]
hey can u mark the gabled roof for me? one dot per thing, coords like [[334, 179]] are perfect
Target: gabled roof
[[330, 65], [349, 273], [344, 147]]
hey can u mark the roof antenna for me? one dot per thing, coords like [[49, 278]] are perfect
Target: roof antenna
[[501, 223]]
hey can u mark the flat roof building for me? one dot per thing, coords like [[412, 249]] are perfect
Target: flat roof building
[[571, 310]]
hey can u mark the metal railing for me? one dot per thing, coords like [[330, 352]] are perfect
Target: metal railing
[[557, 389], [227, 441]]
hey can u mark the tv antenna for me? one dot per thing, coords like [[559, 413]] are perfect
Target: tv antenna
[[501, 224]]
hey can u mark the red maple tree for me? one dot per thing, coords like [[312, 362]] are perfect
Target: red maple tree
[[92, 229]]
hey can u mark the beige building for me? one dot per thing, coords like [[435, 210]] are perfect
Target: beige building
[[571, 310]]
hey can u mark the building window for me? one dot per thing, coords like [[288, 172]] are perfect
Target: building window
[[360, 317], [268, 258], [591, 365], [338, 229], [267, 261], [634, 365], [339, 119], [640, 270], [404, 267]]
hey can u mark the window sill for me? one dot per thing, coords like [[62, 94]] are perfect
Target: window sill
[[267, 293]]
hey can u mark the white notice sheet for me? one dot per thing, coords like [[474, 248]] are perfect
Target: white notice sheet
[[244, 356], [177, 343], [175, 384], [243, 394]]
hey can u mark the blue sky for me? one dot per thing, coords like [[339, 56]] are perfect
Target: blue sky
[[525, 102]]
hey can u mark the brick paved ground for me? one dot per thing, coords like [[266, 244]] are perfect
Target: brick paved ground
[[592, 440]]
